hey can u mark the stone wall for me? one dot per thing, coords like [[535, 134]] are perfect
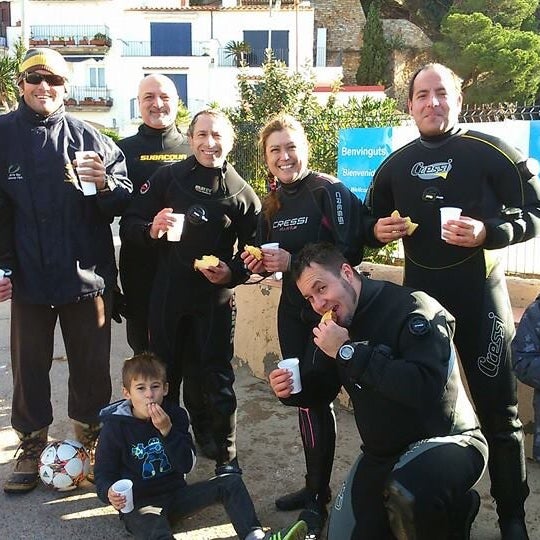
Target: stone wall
[[344, 21], [344, 43]]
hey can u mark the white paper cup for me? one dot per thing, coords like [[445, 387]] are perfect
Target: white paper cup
[[293, 365], [448, 213], [175, 231], [83, 157], [270, 246], [125, 487]]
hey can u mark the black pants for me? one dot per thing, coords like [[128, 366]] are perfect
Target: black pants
[[484, 331], [423, 487], [193, 334], [86, 329], [316, 417], [153, 521]]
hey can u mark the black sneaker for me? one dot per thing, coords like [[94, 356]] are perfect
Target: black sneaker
[[294, 532], [513, 529], [315, 517], [466, 516], [231, 467]]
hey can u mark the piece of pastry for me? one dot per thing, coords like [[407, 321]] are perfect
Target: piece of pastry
[[206, 262], [254, 251], [411, 226], [329, 316]]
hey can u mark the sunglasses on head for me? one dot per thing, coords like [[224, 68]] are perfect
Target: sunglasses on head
[[38, 78]]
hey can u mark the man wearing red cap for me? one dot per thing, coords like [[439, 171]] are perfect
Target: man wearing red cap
[[56, 239]]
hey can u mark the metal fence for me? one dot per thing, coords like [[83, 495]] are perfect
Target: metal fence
[[498, 112]]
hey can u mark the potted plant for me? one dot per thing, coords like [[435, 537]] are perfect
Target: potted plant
[[84, 40], [69, 41], [35, 42], [237, 50], [57, 40], [100, 39]]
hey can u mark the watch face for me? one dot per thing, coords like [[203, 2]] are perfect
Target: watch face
[[346, 352]]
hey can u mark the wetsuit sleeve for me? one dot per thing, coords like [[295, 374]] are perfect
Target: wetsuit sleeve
[[249, 208], [379, 202], [342, 211], [178, 443], [114, 200], [415, 373], [145, 204], [108, 466], [515, 186], [526, 346]]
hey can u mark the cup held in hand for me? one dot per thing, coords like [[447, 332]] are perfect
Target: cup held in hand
[[125, 487], [174, 233], [448, 213], [84, 157], [293, 365]]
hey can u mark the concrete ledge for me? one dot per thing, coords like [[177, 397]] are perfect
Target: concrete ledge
[[257, 346]]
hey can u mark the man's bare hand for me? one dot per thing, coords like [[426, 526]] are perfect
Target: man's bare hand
[[329, 337], [388, 229]]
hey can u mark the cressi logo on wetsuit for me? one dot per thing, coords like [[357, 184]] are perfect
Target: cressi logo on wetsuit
[[290, 223], [432, 171]]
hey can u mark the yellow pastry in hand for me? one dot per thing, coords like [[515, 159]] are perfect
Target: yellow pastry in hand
[[254, 251], [206, 262], [329, 316], [411, 226]]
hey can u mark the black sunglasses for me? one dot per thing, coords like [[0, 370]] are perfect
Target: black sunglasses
[[51, 80]]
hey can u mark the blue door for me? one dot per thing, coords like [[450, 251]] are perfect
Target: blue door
[[180, 81], [258, 40], [170, 39]]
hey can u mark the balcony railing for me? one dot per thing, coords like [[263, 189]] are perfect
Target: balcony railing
[[200, 48], [89, 96], [68, 35]]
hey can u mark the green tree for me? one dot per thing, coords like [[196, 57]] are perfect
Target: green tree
[[375, 51], [9, 69], [508, 13], [497, 63], [276, 91], [237, 50]]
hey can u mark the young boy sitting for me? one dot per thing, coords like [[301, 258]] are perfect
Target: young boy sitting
[[147, 441]]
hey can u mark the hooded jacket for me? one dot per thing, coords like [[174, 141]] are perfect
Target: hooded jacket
[[134, 449]]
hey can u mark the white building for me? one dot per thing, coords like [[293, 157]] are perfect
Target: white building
[[187, 43]]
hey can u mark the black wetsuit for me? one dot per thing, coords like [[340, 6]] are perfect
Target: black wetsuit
[[486, 178], [220, 209], [315, 208], [145, 152], [422, 448]]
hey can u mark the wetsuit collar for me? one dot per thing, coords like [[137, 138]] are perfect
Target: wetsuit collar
[[438, 140], [293, 187], [37, 119], [148, 131]]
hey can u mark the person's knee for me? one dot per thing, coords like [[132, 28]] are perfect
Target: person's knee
[[399, 503]]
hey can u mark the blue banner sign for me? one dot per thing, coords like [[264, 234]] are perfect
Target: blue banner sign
[[362, 150]]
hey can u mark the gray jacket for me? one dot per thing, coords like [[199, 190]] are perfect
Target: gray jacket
[[526, 346]]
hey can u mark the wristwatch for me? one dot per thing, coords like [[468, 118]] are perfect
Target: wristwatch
[[346, 352]]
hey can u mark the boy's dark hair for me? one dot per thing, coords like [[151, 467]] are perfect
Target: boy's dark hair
[[145, 365], [325, 254]]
